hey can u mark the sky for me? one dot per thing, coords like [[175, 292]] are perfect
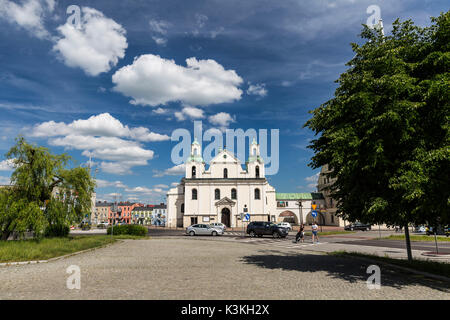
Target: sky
[[108, 82]]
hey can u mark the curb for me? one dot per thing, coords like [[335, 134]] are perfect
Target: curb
[[7, 264], [374, 261]]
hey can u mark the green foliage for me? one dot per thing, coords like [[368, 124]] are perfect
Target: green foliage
[[128, 229], [18, 216], [42, 180], [385, 135]]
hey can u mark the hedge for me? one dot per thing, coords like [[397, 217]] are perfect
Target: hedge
[[129, 229]]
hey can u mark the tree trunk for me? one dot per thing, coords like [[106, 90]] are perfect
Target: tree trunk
[[408, 243], [5, 235]]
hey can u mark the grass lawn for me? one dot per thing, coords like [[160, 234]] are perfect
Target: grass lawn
[[329, 233], [418, 238], [434, 267], [29, 250]]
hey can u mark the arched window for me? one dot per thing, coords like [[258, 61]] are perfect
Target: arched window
[[195, 151], [225, 173], [217, 194], [257, 194], [257, 171], [194, 194], [194, 172], [254, 152], [182, 208], [233, 194]]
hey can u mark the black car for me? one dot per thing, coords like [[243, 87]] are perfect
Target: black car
[[358, 226], [260, 228]]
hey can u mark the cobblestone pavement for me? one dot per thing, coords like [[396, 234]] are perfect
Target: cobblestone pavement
[[186, 268]]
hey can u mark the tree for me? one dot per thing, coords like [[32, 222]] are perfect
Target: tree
[[385, 134], [42, 179]]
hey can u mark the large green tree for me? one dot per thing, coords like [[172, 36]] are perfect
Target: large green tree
[[385, 134], [45, 180]]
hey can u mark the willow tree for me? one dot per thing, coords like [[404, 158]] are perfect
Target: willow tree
[[385, 133], [45, 180]]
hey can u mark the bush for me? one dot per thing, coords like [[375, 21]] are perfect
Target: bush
[[57, 230], [129, 229]]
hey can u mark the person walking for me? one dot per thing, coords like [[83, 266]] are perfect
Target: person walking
[[314, 229], [300, 234]]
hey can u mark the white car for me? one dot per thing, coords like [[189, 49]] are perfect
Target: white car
[[218, 225], [203, 229], [285, 225]]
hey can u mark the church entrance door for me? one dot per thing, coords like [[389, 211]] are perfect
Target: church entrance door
[[226, 217]]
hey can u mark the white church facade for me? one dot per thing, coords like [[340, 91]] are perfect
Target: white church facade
[[221, 192]]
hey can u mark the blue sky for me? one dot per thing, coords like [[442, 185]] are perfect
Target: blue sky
[[116, 87]]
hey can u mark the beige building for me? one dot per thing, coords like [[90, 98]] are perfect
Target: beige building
[[221, 192], [297, 208]]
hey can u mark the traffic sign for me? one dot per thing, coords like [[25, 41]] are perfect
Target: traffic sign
[[314, 206], [247, 217], [314, 213]]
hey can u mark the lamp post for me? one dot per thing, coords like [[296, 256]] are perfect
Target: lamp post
[[300, 207]]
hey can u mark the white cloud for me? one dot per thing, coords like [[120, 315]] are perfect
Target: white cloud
[[221, 119], [173, 171], [313, 178], [152, 80], [174, 184], [106, 184], [159, 29], [190, 112], [7, 165], [99, 125], [257, 90], [5, 180], [102, 137], [160, 111], [29, 15], [96, 46]]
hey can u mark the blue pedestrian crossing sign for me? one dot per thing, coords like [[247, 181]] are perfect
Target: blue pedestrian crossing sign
[[314, 213], [247, 217]]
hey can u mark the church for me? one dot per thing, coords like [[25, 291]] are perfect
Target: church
[[223, 191]]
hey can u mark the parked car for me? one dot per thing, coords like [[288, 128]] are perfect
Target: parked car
[[260, 228], [440, 231], [286, 225], [218, 225], [358, 226], [420, 229], [102, 225], [203, 229]]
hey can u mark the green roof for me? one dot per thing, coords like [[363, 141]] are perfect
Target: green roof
[[297, 196]]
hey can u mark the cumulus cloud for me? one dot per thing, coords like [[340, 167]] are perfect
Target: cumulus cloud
[[221, 119], [105, 184], [152, 80], [29, 15], [95, 46], [257, 90], [173, 171], [190, 112], [98, 125], [102, 137], [5, 180]]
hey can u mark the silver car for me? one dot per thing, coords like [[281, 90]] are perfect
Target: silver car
[[218, 225], [203, 229]]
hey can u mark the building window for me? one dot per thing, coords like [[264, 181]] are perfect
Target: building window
[[194, 194], [257, 171], [257, 194], [217, 194], [194, 172], [225, 173], [233, 194], [182, 208]]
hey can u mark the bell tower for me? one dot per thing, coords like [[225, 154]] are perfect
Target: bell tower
[[255, 164], [195, 165]]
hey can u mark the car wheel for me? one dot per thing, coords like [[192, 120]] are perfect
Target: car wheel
[[191, 233], [252, 234], [214, 233], [351, 229], [275, 235], [368, 229]]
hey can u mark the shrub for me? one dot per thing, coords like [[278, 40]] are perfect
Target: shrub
[[57, 230], [129, 229]]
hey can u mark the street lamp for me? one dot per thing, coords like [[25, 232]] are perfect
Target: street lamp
[[300, 207]]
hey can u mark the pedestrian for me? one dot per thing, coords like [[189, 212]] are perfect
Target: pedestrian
[[314, 229], [300, 234]]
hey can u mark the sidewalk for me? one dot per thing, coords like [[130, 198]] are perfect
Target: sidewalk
[[395, 253]]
